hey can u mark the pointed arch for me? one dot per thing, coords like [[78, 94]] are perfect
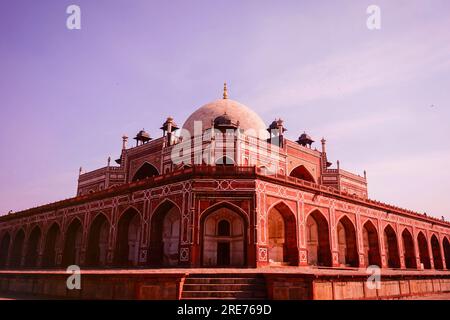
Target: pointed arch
[[165, 234], [220, 250], [225, 204], [50, 248], [283, 239], [225, 161], [423, 250], [391, 247], [72, 243], [17, 249], [446, 247], [146, 170], [165, 204], [371, 244], [4, 249], [301, 172], [128, 238], [409, 250], [318, 239], [347, 245], [436, 250], [223, 228], [98, 237], [33, 245]]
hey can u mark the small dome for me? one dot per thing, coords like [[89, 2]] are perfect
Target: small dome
[[236, 112], [305, 139], [223, 120], [277, 124], [142, 136]]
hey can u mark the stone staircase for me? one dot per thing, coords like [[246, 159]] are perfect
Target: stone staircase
[[224, 286]]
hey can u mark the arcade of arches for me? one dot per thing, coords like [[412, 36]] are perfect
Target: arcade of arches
[[224, 233]]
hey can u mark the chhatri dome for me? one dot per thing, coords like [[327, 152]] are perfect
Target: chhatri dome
[[235, 111]]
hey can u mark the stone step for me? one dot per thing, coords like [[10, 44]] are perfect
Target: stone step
[[209, 280], [223, 294], [223, 287]]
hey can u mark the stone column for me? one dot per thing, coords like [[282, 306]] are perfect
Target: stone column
[[441, 248], [382, 244], [145, 234], [430, 250], [185, 249], [85, 238], [110, 253], [333, 238], [416, 248], [360, 241], [400, 244], [303, 253]]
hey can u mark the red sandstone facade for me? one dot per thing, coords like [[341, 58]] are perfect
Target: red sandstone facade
[[238, 200]]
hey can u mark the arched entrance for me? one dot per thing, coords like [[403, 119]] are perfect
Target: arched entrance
[[4, 249], [391, 247], [318, 240], [17, 249], [436, 249], [223, 238], [128, 237], [165, 235], [348, 252], [282, 235], [423, 251], [302, 173], [72, 243], [33, 244], [145, 171], [371, 248], [97, 248], [50, 247], [408, 250]]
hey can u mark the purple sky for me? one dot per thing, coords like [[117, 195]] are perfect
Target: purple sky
[[67, 97]]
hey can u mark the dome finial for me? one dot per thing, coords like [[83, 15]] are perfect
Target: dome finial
[[225, 92]]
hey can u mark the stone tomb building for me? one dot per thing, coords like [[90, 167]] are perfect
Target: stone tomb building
[[226, 191]]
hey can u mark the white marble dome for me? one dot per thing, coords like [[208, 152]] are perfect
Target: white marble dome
[[249, 121]]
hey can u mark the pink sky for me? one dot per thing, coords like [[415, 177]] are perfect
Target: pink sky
[[380, 98]]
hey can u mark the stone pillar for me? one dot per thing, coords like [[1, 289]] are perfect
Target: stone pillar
[[441, 249], [382, 244], [145, 234], [23, 253], [85, 239], [400, 244], [185, 249], [303, 253], [40, 249], [416, 248], [333, 238], [110, 253], [360, 242], [261, 237], [8, 257], [430, 250], [59, 248]]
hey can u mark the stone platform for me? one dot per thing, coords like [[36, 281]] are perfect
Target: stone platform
[[298, 283]]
